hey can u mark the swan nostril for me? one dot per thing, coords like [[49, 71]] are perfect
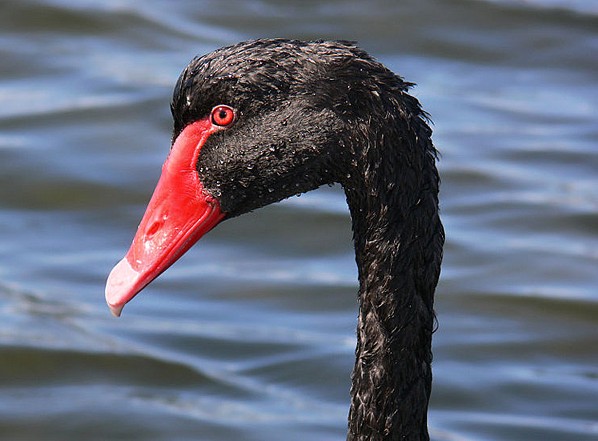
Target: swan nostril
[[153, 229]]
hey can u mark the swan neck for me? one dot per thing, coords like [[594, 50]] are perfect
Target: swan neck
[[398, 241]]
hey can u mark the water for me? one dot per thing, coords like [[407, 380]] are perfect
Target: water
[[251, 335]]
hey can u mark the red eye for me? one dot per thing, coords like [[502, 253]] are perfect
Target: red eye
[[223, 116]]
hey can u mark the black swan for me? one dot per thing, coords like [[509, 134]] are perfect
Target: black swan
[[263, 120]]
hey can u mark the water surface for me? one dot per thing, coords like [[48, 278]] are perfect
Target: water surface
[[251, 335]]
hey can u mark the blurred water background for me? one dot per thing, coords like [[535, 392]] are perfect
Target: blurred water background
[[251, 335]]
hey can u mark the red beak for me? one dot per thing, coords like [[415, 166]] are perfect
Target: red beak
[[179, 213]]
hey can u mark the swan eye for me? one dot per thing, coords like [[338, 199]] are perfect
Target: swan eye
[[223, 116]]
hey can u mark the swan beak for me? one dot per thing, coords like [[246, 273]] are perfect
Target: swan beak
[[179, 213]]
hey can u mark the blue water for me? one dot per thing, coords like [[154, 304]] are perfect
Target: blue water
[[251, 335]]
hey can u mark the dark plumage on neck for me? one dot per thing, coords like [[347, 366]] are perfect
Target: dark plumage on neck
[[392, 192]]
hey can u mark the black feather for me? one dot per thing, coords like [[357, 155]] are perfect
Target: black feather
[[313, 113]]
